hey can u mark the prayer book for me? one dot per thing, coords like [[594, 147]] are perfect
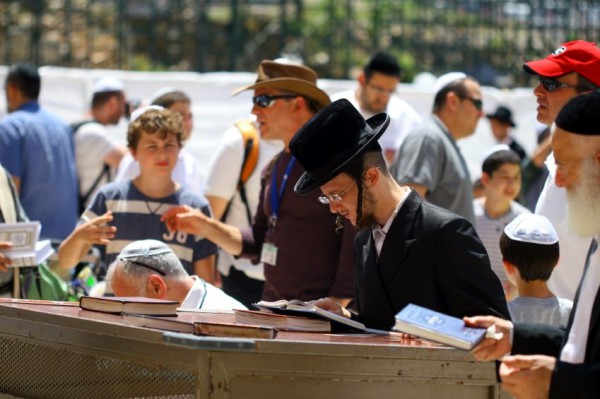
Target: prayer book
[[296, 307], [282, 322], [129, 305], [191, 325], [26, 249], [438, 327]]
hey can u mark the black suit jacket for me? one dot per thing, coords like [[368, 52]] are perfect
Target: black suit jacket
[[568, 380], [430, 257]]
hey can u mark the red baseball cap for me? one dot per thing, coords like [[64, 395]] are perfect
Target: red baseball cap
[[576, 56]]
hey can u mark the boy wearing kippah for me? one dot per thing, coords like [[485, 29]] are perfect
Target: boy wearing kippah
[[530, 251]]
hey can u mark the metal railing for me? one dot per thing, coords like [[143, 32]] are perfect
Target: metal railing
[[487, 38]]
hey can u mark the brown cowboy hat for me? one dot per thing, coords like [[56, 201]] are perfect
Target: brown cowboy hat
[[288, 77]]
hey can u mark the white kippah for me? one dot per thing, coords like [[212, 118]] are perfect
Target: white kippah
[[446, 79], [106, 84], [138, 112], [161, 92], [532, 228], [144, 248]]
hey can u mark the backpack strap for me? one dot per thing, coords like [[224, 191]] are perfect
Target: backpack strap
[[251, 140], [104, 173], [250, 135]]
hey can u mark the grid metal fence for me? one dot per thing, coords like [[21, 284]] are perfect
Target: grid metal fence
[[487, 38]]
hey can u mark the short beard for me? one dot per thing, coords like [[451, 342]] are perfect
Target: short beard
[[369, 203], [583, 204]]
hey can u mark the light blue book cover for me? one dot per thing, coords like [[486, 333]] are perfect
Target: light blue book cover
[[436, 326]]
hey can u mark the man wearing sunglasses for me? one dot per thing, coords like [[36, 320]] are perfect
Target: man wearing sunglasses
[[294, 237], [409, 250], [149, 268], [429, 159], [570, 70]]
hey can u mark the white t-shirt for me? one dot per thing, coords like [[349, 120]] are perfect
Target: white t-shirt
[[187, 171], [92, 144], [222, 179], [490, 230], [552, 203], [403, 118]]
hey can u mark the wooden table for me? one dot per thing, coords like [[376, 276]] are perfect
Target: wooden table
[[57, 350]]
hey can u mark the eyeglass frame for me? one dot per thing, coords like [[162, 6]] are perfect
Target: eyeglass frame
[[477, 102], [380, 91], [544, 81], [335, 198], [137, 263], [270, 98]]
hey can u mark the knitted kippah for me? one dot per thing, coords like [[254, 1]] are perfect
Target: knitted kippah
[[531, 228]]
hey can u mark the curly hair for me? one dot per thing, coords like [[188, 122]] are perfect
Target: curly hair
[[162, 122]]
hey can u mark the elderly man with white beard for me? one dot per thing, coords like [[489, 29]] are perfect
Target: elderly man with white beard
[[549, 362]]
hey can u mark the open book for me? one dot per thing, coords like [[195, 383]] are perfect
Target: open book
[[26, 250], [202, 326], [438, 327], [131, 305], [296, 307]]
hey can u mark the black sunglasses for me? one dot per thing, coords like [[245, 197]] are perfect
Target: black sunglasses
[[552, 84], [267, 100], [477, 102], [144, 265]]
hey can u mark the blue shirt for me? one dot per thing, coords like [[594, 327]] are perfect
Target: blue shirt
[[37, 148], [137, 217]]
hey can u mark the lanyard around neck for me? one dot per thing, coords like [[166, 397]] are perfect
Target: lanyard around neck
[[276, 195]]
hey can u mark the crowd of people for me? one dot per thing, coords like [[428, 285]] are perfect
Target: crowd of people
[[356, 204]]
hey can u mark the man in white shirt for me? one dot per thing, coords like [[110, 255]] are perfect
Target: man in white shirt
[[375, 93], [149, 268], [550, 361], [97, 154]]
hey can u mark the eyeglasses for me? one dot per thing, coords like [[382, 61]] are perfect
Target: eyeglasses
[[143, 265], [477, 102], [335, 198], [552, 84], [267, 100], [380, 90]]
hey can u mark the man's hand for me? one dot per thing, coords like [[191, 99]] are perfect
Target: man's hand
[[4, 260], [489, 348], [185, 218], [96, 230], [527, 377], [331, 306]]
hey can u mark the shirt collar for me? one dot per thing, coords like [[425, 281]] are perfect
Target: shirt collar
[[195, 297], [388, 224]]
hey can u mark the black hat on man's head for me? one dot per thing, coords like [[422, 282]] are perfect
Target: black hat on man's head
[[502, 114], [333, 138], [581, 115]]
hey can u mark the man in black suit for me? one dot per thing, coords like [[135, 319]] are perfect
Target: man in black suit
[[566, 362], [410, 251]]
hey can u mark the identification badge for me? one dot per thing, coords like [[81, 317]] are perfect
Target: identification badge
[[269, 254]]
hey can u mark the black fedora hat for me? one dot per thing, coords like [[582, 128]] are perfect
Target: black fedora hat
[[503, 114], [334, 137]]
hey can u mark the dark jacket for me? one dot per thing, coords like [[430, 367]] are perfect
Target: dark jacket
[[431, 257]]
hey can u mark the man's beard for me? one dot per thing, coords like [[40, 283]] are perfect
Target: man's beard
[[583, 204], [368, 206]]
